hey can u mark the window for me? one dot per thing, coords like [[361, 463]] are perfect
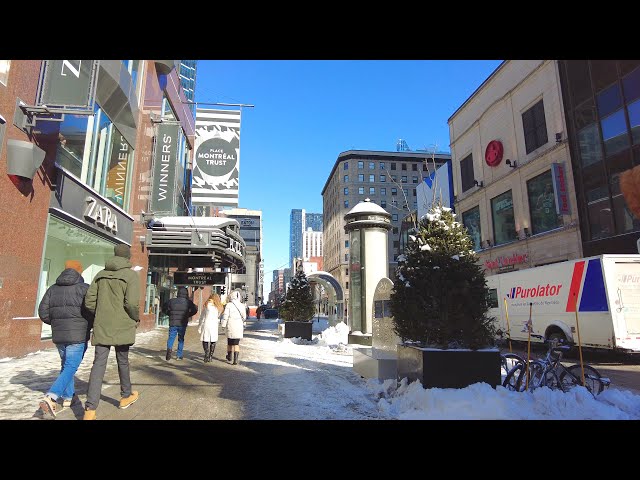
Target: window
[[346, 244], [414, 167], [361, 190], [360, 165], [346, 204], [372, 166], [634, 121], [404, 166], [372, 190], [414, 192], [346, 272], [471, 221], [493, 298], [383, 178], [346, 257], [382, 166], [346, 166], [372, 178], [589, 144], [395, 230], [404, 179], [361, 177], [383, 191], [394, 217], [504, 224], [405, 191], [609, 100], [614, 133], [535, 127], [394, 191], [394, 178], [346, 191], [346, 179], [383, 203], [4, 71], [415, 179], [393, 166], [466, 173], [542, 204], [347, 286]]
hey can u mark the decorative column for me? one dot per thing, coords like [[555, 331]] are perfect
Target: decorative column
[[368, 226]]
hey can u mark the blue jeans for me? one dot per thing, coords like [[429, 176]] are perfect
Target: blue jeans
[[71, 355], [173, 331]]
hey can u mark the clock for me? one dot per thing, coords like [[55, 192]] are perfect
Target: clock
[[493, 153]]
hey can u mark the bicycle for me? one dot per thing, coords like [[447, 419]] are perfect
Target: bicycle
[[507, 362], [550, 372]]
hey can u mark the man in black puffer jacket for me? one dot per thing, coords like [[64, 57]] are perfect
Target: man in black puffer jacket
[[63, 308], [179, 309]]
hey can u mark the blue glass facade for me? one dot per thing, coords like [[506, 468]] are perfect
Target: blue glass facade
[[188, 70], [297, 225]]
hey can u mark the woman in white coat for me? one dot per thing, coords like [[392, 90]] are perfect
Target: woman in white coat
[[233, 319], [208, 325]]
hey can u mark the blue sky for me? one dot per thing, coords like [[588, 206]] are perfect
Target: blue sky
[[309, 111]]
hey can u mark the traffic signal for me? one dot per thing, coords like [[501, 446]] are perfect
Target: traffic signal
[[223, 289]]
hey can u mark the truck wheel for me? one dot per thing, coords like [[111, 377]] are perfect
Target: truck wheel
[[561, 337]]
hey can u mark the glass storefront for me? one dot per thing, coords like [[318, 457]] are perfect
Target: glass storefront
[[504, 224], [471, 221], [66, 241], [542, 204]]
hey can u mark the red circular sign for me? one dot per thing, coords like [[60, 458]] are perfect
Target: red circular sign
[[493, 153]]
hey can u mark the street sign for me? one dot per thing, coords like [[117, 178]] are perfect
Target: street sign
[[199, 278]]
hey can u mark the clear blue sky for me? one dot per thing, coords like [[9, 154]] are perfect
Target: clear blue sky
[[307, 112]]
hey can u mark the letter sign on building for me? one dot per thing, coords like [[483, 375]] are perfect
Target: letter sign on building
[[560, 187], [68, 83]]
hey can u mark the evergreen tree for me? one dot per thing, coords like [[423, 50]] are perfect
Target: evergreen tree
[[298, 304], [440, 296]]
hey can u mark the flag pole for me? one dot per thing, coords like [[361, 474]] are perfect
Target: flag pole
[[506, 309], [579, 342], [529, 328]]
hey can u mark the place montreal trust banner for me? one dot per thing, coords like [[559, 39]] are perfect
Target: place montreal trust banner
[[216, 161]]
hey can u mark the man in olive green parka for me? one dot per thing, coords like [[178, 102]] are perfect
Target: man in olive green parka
[[113, 296]]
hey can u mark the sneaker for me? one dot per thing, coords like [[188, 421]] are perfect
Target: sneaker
[[125, 402], [49, 407], [89, 415], [67, 402], [178, 358], [168, 356]]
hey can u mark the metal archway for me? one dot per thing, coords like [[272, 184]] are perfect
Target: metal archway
[[334, 293]]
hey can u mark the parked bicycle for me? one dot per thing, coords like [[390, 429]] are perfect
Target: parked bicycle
[[550, 372], [508, 361]]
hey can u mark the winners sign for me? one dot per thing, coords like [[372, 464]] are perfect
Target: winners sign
[[216, 159]]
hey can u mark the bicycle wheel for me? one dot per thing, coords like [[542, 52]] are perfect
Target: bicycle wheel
[[514, 380], [538, 376], [508, 361], [571, 377]]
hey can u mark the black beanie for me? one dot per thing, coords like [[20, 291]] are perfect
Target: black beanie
[[122, 250]]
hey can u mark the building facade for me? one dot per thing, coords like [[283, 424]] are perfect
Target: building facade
[[511, 166], [299, 222], [188, 73], [602, 108], [252, 278], [93, 181], [311, 244], [388, 179]]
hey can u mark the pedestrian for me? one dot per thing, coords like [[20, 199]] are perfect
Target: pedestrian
[[179, 309], [208, 325], [113, 296], [62, 307], [234, 320]]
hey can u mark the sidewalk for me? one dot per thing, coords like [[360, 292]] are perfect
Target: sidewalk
[[187, 389]]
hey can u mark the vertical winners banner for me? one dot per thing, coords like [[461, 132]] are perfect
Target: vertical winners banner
[[216, 159], [165, 159]]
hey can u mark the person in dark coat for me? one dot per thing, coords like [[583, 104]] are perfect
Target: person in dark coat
[[179, 309], [62, 307], [114, 297]]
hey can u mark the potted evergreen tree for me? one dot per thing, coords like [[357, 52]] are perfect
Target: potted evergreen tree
[[298, 308], [439, 304]]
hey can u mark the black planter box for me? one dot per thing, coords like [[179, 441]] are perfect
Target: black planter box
[[448, 368], [294, 329]]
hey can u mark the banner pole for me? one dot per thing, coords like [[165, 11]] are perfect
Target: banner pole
[[506, 309], [579, 342], [529, 325]]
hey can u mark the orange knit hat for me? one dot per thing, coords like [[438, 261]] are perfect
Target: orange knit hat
[[75, 264]]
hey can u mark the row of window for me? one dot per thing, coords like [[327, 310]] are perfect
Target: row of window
[[383, 178], [383, 191], [382, 165], [542, 210], [535, 135], [383, 204]]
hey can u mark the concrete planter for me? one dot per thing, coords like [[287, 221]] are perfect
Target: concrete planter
[[294, 329], [448, 368]]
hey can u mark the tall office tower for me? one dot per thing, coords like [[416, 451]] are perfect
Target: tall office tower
[[188, 71], [299, 222]]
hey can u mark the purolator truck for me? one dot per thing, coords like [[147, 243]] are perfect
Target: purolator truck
[[604, 290]]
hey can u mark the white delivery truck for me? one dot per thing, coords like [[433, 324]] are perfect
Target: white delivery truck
[[603, 290]]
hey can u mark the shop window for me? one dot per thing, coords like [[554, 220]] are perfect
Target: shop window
[[466, 173], [504, 224], [535, 127], [542, 204], [471, 221]]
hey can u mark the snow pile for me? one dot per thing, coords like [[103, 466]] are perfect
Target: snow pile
[[336, 338], [480, 401]]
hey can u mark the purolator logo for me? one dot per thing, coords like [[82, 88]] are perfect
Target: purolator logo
[[532, 292]]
